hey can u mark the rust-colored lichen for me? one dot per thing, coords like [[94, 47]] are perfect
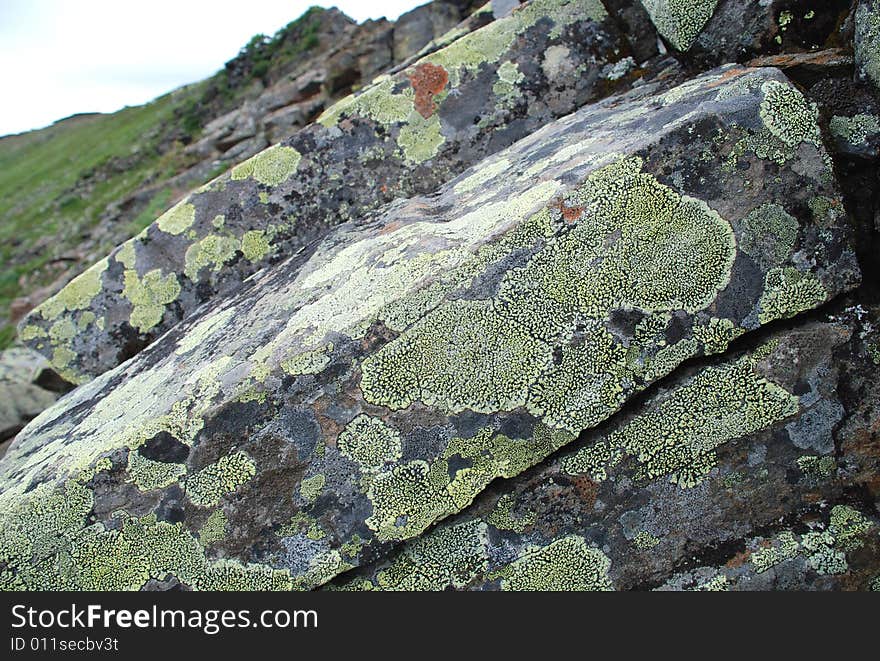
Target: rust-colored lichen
[[427, 80]]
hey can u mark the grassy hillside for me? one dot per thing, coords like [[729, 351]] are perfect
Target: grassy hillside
[[56, 182]]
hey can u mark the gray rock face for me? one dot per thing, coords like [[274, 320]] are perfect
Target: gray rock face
[[404, 135], [21, 398], [359, 392], [867, 41]]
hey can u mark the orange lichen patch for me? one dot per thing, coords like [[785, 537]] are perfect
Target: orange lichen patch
[[739, 559], [569, 214], [427, 80]]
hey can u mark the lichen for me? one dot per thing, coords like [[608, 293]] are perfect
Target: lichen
[[568, 564], [214, 529], [149, 296], [768, 235], [176, 220], [206, 487], [788, 292], [369, 442], [788, 115], [311, 487], [272, 166], [255, 246], [212, 251], [77, 294], [420, 139], [503, 517], [680, 21], [855, 130], [786, 547], [149, 475]]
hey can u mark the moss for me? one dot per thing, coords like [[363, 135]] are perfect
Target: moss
[[212, 251], [176, 220], [149, 296], [214, 529], [77, 294], [48, 543], [369, 442], [311, 487], [255, 246], [272, 166], [149, 475], [788, 292], [216, 480], [567, 564], [680, 21], [678, 435], [768, 235], [450, 557]]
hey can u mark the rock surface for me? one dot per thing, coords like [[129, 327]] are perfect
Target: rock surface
[[404, 135], [541, 310]]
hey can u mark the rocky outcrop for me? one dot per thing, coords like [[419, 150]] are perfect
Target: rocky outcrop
[[24, 379], [402, 136], [360, 392], [541, 310]]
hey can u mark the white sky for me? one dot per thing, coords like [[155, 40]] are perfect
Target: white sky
[[60, 57]]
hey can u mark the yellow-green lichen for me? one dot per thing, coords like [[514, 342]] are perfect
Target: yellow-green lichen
[[214, 529], [272, 166], [645, 541], [176, 220], [47, 543], [148, 474], [212, 251], [856, 129], [420, 138], [77, 294], [568, 564], [788, 115], [369, 442], [206, 487], [788, 292], [308, 362], [680, 21], [817, 468], [767, 557], [503, 517], [450, 556], [311, 487], [768, 235], [149, 296], [678, 436], [255, 246]]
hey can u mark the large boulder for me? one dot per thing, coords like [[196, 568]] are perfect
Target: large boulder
[[404, 135], [376, 382]]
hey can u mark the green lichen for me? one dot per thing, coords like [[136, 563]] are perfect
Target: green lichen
[[848, 526], [176, 220], [717, 334], [768, 235], [645, 541], [48, 543], [149, 296], [867, 41], [311, 487], [817, 468], [255, 246], [369, 442], [788, 115], [785, 547], [214, 529], [568, 564], [308, 362], [678, 436], [680, 21], [201, 332], [272, 166], [503, 517], [77, 294], [148, 474], [451, 556], [854, 130], [212, 251], [206, 487], [788, 292], [420, 138]]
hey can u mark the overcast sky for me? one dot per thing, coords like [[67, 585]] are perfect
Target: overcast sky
[[60, 57]]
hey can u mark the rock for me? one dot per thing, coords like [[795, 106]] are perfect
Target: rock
[[21, 398], [726, 479], [358, 391], [418, 27], [867, 41], [481, 93]]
